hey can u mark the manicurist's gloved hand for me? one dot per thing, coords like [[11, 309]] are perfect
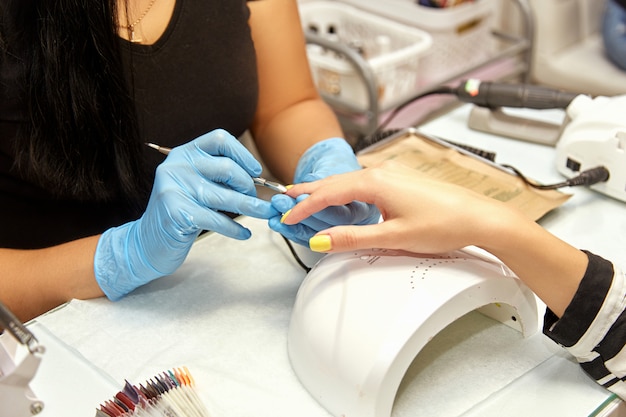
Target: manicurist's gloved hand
[[213, 172], [325, 158]]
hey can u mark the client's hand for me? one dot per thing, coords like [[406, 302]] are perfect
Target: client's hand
[[213, 172], [419, 215], [329, 157]]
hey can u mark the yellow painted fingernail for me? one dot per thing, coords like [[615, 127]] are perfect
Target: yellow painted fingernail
[[282, 219], [320, 243], [289, 186]]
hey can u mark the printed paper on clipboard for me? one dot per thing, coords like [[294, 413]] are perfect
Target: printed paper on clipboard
[[442, 161]]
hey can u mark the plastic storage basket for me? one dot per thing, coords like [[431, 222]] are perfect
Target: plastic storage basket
[[461, 34], [391, 50]]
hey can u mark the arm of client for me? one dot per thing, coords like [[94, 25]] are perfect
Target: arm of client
[[584, 293]]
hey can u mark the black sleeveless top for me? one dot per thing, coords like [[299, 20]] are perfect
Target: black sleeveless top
[[199, 76]]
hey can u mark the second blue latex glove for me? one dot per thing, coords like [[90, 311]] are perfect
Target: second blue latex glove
[[210, 174], [329, 157]]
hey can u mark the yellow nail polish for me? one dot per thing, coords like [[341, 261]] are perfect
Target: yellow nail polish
[[320, 243], [282, 219], [289, 186]]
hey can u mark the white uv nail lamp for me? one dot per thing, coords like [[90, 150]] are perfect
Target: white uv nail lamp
[[360, 318]]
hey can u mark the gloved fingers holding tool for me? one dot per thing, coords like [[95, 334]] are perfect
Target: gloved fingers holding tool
[[329, 157], [213, 172]]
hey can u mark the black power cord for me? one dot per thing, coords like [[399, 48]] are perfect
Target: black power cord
[[588, 177], [436, 91], [295, 255]]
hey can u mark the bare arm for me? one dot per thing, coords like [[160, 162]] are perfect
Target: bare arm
[[433, 217], [291, 116], [35, 281]]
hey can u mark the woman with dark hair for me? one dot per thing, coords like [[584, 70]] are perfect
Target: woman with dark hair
[[88, 209]]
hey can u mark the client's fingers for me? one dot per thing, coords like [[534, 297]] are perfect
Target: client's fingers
[[347, 238]]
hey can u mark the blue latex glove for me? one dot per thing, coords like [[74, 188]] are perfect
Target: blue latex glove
[[213, 172], [329, 157]]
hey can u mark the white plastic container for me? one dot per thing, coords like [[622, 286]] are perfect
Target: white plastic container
[[461, 34], [393, 52]]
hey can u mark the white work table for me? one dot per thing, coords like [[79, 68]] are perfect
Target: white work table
[[225, 315]]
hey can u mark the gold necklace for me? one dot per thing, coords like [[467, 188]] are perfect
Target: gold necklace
[[131, 28]]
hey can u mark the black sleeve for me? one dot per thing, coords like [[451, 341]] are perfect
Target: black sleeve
[[593, 327]]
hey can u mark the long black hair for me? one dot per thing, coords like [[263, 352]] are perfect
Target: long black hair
[[81, 138]]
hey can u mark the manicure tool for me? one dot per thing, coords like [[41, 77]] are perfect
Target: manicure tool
[[272, 185]]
